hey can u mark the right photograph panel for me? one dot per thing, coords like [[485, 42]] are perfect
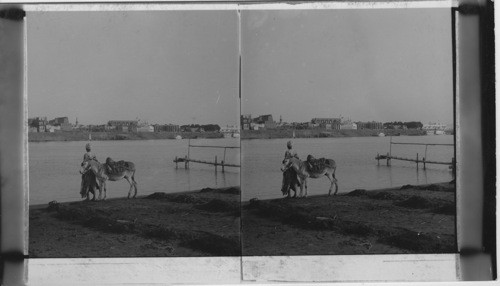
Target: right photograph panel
[[348, 135]]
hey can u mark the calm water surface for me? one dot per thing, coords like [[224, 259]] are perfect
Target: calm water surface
[[356, 165], [54, 167]]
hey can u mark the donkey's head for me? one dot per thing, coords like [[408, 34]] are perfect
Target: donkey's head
[[285, 164], [84, 167]]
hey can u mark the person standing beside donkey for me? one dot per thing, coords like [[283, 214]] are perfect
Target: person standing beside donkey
[[88, 178], [289, 176]]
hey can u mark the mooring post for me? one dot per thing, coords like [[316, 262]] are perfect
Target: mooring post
[[388, 159], [390, 146], [378, 159], [215, 164], [222, 164], [186, 162], [453, 167], [176, 162], [423, 160], [417, 160]]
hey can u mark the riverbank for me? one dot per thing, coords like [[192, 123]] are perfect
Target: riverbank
[[102, 136], [319, 133], [201, 223], [409, 219]]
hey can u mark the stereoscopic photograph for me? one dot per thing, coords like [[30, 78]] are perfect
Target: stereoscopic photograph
[[133, 134], [345, 137], [347, 132]]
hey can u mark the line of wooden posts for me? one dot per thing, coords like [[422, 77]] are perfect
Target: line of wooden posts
[[417, 160], [187, 159]]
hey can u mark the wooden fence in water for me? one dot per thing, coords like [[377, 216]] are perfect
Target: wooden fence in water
[[187, 159], [422, 160]]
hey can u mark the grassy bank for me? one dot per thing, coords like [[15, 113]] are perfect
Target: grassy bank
[[200, 223], [84, 136], [318, 133], [409, 219]]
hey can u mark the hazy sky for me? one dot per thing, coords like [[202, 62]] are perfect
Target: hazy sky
[[383, 65], [182, 66], [164, 67]]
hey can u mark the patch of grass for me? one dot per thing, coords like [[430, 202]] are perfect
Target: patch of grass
[[216, 245], [161, 232], [157, 196], [415, 202], [420, 242], [356, 193], [217, 205], [446, 209], [380, 195]]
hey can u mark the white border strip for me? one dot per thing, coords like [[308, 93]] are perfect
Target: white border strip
[[55, 6]]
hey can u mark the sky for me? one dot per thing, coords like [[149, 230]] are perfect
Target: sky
[[374, 64], [178, 67], [182, 67]]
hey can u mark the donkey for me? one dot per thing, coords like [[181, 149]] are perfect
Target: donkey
[[303, 172], [102, 174]]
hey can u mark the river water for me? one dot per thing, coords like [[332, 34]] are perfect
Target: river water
[[54, 166], [356, 165]]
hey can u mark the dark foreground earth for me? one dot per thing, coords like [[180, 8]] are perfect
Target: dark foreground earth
[[410, 219], [203, 223]]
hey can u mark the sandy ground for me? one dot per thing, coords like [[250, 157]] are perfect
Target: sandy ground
[[411, 219]]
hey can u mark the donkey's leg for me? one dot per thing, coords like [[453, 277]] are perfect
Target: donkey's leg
[[101, 186], [305, 183], [135, 185], [131, 186], [104, 191], [330, 177], [302, 184], [335, 181]]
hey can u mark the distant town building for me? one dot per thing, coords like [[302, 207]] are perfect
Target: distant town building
[[370, 125], [230, 131], [327, 123], [123, 125], [246, 121], [264, 121], [123, 122], [38, 124], [167, 128], [145, 128], [348, 125]]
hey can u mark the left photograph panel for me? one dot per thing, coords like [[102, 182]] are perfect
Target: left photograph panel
[[133, 130]]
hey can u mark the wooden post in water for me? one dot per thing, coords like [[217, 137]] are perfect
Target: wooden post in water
[[423, 160], [417, 160], [215, 164], [222, 164], [176, 162], [453, 167], [378, 159], [388, 159], [186, 162]]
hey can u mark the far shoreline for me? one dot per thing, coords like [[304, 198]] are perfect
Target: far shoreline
[[69, 136]]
